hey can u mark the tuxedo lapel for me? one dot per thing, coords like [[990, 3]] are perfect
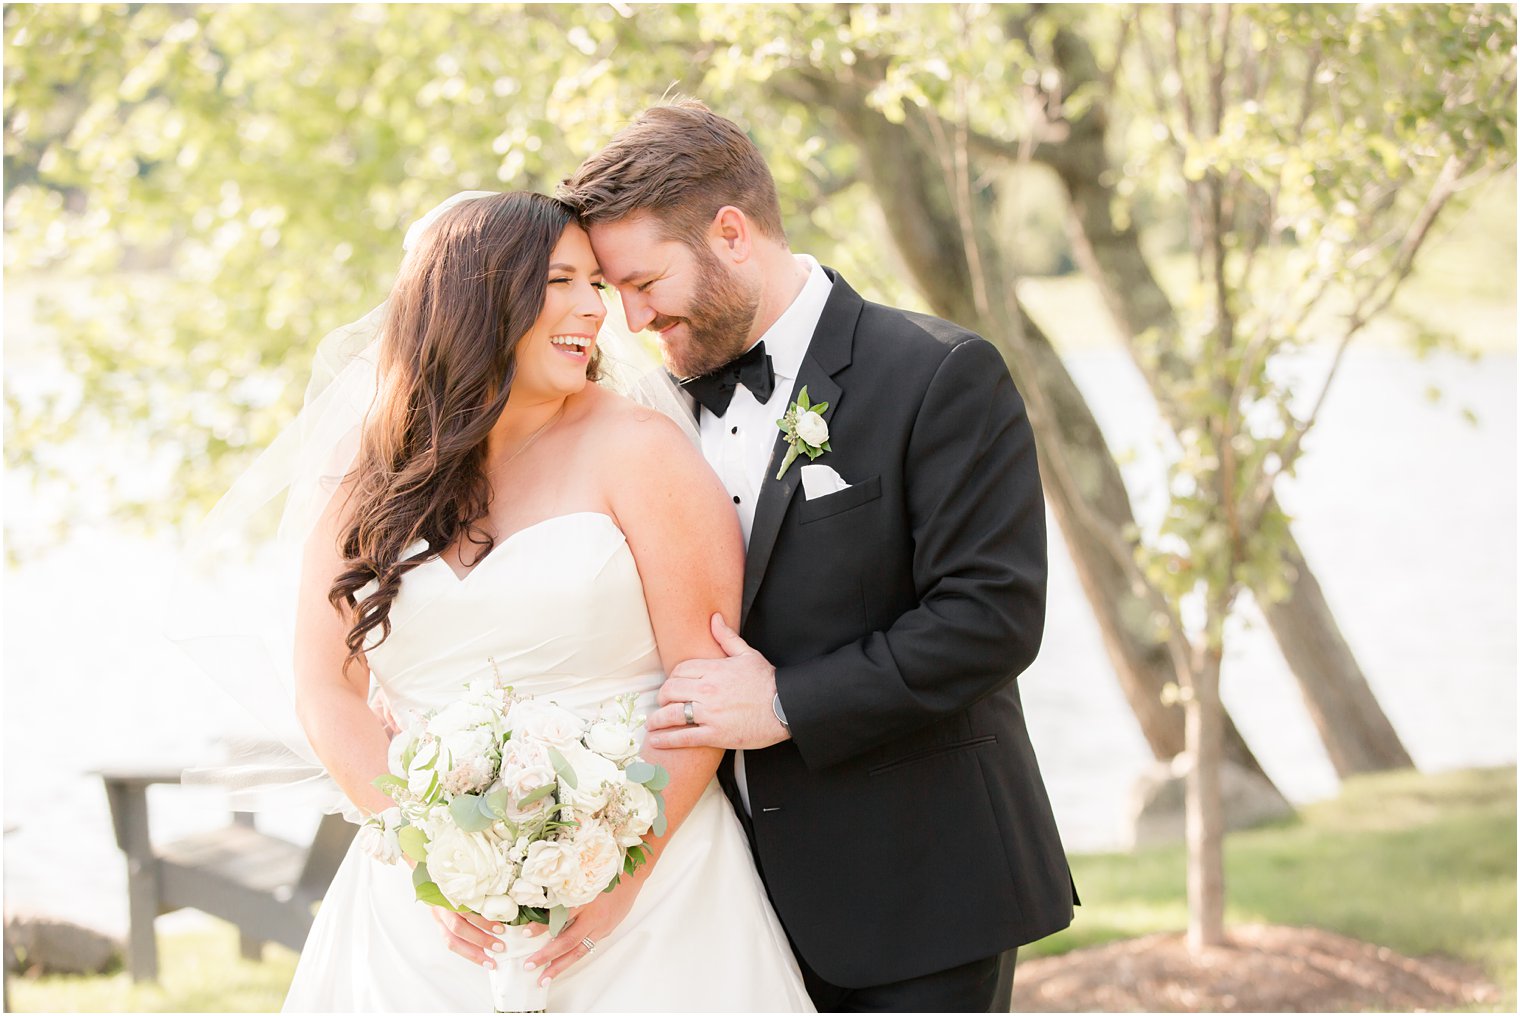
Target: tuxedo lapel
[[828, 353]]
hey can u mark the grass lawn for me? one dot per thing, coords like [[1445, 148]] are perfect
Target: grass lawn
[[1422, 864]]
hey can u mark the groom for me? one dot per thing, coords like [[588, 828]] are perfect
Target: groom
[[894, 585]]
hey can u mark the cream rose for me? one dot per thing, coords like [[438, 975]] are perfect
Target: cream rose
[[550, 864], [595, 779], [614, 740], [545, 722], [525, 767], [468, 867], [598, 859], [812, 428]]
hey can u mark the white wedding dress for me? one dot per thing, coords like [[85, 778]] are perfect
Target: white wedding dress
[[560, 609]]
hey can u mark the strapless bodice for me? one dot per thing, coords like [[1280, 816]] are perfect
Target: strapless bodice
[[558, 606]]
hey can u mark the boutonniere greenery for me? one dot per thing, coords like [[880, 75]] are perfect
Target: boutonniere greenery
[[807, 432]]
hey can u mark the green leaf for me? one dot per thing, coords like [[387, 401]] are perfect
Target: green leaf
[[613, 884], [802, 400], [640, 772], [659, 781], [660, 825], [820, 408], [791, 456], [387, 782], [467, 814], [428, 892], [563, 768], [558, 918], [537, 795], [413, 843], [496, 801]]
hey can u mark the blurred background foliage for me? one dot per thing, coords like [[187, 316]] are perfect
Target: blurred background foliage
[[201, 192]]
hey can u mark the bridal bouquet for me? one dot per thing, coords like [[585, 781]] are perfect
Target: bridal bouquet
[[515, 808]]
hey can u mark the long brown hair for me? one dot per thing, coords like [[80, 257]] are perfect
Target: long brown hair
[[468, 291]]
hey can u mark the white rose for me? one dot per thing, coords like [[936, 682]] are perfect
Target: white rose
[[642, 809], [545, 722], [377, 837], [528, 894], [812, 428], [499, 908], [468, 867], [613, 740], [595, 779], [551, 864], [598, 859], [525, 767]]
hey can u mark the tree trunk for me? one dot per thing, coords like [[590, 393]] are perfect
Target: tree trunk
[[1356, 732], [1205, 806], [911, 187]]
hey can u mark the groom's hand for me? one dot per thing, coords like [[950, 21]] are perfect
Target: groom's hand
[[731, 700]]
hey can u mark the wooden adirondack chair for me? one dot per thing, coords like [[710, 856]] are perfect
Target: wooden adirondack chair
[[265, 885]]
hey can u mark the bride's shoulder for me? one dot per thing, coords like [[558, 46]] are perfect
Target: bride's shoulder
[[624, 429]]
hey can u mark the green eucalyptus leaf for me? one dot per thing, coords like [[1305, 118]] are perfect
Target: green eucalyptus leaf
[[563, 768], [468, 815], [659, 781], [640, 772], [558, 918], [537, 795]]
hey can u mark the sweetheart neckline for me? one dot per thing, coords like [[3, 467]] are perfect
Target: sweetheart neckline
[[503, 543]]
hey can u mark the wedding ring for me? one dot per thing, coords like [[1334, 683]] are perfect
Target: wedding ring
[[590, 945], [687, 711]]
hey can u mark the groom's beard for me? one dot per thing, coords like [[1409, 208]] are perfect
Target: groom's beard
[[717, 324]]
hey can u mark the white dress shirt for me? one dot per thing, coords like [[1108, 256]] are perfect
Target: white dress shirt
[[738, 444]]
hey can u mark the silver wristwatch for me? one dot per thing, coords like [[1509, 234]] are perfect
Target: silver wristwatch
[[780, 716]]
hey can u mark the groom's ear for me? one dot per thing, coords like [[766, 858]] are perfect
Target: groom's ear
[[730, 234]]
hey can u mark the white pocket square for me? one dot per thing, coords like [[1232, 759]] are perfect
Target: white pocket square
[[818, 481]]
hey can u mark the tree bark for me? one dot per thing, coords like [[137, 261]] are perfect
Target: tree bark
[[910, 184], [1204, 802], [1356, 732]]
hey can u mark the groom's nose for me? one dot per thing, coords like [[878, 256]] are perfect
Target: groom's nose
[[636, 311]]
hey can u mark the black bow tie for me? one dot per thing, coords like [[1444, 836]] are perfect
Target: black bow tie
[[753, 370]]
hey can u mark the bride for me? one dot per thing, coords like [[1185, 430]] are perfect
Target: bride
[[506, 512]]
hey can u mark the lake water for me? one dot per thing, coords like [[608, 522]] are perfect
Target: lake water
[[1406, 511]]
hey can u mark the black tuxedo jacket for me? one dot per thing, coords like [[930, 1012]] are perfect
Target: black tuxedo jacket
[[904, 829]]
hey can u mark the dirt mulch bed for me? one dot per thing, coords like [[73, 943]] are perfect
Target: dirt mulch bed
[[1265, 968]]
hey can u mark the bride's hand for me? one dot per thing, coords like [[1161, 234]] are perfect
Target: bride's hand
[[470, 935], [595, 921]]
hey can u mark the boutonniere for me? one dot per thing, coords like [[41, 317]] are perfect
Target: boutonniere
[[807, 432]]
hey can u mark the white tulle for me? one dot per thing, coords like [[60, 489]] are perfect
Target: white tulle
[[560, 610]]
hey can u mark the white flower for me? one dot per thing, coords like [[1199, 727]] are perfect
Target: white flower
[[812, 428], [525, 767], [528, 893], [468, 867], [499, 908], [641, 809], [598, 859], [612, 739], [466, 729], [595, 778], [545, 722], [550, 864], [377, 836]]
